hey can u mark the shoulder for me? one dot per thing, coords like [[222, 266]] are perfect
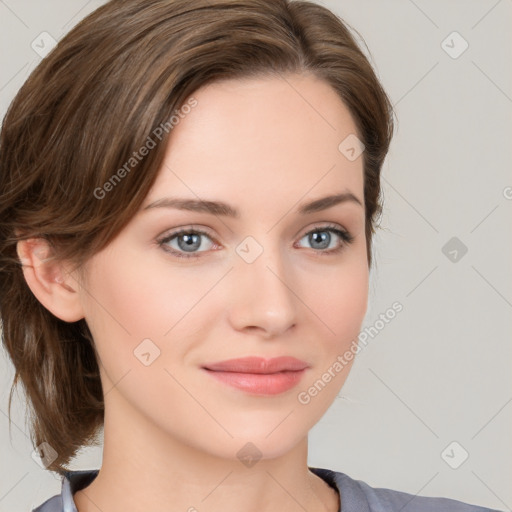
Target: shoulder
[[357, 495], [53, 504], [72, 481]]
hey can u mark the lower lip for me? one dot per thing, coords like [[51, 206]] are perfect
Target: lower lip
[[260, 383]]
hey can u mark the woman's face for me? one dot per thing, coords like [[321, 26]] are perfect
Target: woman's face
[[275, 281]]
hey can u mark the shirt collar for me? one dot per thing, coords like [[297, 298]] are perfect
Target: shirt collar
[[73, 481], [351, 493]]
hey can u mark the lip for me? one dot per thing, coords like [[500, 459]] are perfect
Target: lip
[[257, 375], [258, 365]]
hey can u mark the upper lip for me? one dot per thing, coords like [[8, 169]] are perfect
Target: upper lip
[[258, 365]]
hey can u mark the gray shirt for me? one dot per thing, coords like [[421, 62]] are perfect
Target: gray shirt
[[356, 496]]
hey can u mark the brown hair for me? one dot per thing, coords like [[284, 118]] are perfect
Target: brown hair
[[117, 76]]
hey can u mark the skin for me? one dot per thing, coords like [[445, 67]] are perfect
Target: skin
[[172, 432]]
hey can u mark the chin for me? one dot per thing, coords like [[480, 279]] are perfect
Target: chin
[[270, 443], [252, 445]]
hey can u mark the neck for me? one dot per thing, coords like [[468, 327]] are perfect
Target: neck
[[144, 468]]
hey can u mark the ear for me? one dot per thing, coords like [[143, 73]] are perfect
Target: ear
[[54, 287]]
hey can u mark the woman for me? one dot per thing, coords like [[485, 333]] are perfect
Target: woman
[[189, 191]]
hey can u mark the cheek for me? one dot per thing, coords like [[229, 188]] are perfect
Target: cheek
[[341, 307], [129, 301], [121, 311], [341, 304]]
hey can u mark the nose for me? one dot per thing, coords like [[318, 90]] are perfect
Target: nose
[[263, 299]]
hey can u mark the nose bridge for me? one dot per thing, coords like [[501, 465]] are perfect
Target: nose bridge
[[264, 296]]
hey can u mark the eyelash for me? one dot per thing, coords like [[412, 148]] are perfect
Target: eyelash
[[345, 236]]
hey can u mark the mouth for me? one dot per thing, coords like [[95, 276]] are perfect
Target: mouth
[[259, 376]]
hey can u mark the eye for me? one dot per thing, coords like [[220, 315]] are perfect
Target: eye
[[321, 238], [188, 240]]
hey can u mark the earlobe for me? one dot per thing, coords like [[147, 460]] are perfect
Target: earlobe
[[52, 285]]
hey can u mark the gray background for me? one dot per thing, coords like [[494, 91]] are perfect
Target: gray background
[[439, 372]]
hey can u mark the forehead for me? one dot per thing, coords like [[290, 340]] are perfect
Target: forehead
[[261, 142]]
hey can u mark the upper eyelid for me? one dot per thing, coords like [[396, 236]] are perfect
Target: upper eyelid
[[346, 237], [187, 229], [206, 231]]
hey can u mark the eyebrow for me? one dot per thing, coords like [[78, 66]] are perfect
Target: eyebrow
[[221, 208]]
